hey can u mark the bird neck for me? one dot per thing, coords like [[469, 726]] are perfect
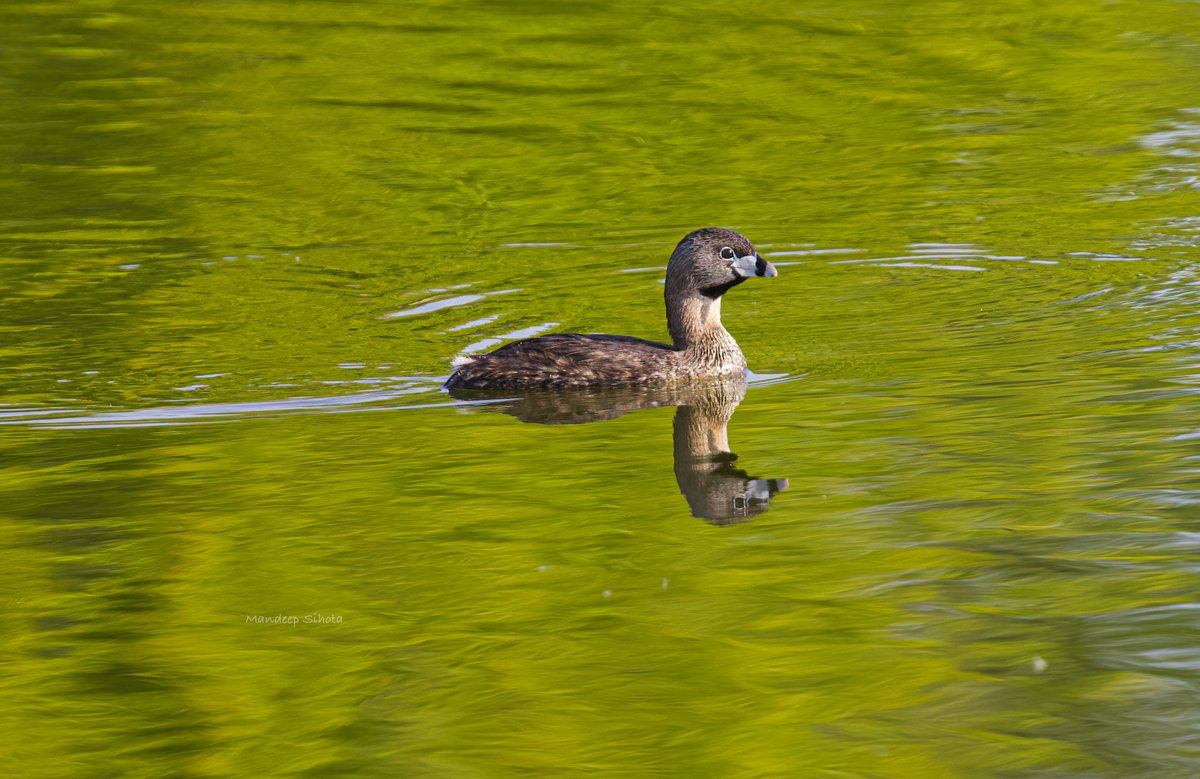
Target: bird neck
[[694, 321]]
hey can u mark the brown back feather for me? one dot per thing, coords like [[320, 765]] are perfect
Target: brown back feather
[[565, 360]]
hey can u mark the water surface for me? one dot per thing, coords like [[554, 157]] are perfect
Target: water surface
[[247, 534]]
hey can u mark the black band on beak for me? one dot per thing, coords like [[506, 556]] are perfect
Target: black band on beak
[[763, 268]]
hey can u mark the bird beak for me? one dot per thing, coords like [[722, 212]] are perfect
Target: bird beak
[[763, 268], [753, 265]]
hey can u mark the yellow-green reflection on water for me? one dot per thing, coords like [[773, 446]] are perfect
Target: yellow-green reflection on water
[[241, 241]]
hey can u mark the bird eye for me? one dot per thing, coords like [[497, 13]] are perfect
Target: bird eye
[[727, 253]]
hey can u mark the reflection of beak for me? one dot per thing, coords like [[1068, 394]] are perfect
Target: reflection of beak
[[763, 268], [753, 265], [763, 489]]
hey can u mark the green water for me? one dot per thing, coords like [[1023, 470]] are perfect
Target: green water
[[240, 243]]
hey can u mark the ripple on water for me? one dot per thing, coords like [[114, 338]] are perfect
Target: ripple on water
[[453, 302], [524, 332]]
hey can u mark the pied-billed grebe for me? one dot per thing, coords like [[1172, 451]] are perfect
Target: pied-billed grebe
[[705, 265]]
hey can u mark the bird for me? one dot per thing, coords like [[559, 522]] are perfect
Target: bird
[[705, 265]]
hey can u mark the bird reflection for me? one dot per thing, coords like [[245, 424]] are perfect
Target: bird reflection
[[715, 489]]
